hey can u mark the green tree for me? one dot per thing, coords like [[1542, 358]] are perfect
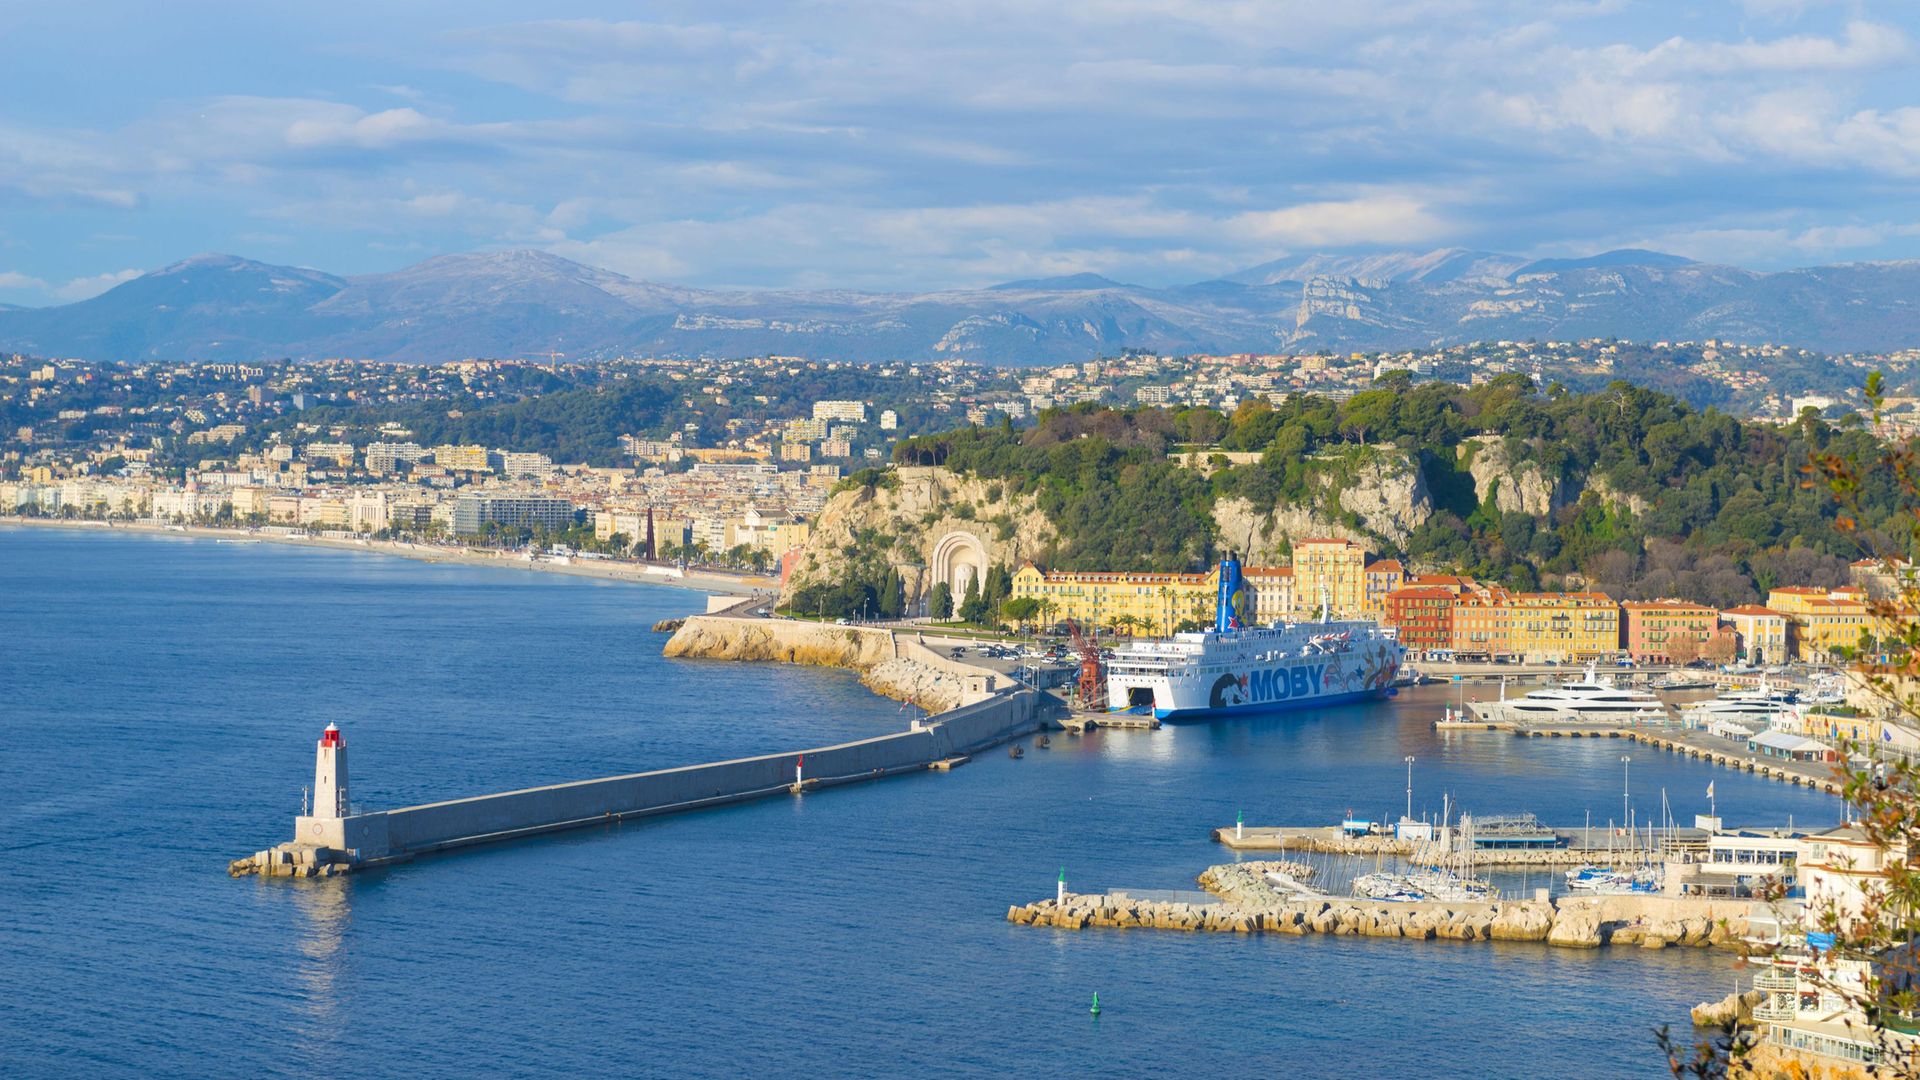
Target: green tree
[[1022, 610], [940, 602], [973, 606]]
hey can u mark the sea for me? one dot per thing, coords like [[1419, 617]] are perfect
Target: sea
[[159, 701]]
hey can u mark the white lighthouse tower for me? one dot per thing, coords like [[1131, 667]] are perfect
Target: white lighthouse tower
[[330, 775]]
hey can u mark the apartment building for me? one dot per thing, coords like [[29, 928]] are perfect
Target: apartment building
[[1655, 628], [1563, 627]]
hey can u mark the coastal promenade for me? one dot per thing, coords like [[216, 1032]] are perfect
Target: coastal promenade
[[629, 570]]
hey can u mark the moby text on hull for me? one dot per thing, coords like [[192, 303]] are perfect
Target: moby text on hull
[[1232, 669]]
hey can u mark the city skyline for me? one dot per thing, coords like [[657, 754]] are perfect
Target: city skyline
[[916, 148]]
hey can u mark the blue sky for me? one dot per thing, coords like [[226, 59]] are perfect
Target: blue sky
[[939, 143]]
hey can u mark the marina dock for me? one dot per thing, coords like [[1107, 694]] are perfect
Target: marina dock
[[1689, 743], [331, 839], [1570, 847]]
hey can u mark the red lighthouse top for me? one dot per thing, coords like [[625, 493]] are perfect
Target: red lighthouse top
[[330, 737]]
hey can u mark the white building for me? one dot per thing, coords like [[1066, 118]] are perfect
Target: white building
[[850, 411]]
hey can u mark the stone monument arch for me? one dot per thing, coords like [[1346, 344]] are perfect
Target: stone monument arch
[[958, 559]]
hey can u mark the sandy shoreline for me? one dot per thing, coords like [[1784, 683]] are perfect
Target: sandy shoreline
[[608, 570]]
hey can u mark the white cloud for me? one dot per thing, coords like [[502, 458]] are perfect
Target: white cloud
[[14, 279], [82, 288], [1380, 219]]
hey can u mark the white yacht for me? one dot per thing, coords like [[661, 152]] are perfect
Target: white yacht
[[1762, 703], [1590, 700]]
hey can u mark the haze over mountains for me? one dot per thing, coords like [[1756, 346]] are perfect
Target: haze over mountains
[[519, 303]]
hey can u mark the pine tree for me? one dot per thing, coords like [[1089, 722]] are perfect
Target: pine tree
[[940, 601]]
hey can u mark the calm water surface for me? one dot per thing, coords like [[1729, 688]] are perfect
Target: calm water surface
[[159, 698]]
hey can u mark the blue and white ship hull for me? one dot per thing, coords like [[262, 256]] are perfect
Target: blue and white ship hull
[[1233, 671]]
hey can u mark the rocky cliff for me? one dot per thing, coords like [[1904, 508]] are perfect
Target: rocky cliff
[[1514, 486], [1374, 495], [902, 522], [921, 678]]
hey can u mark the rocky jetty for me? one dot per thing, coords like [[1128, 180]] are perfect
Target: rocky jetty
[[668, 626], [1736, 1007], [1246, 883], [1251, 903], [921, 684], [292, 860]]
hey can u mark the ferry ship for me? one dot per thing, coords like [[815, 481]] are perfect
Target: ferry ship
[[1233, 669]]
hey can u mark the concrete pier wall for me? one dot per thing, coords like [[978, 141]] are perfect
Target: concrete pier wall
[[438, 826]]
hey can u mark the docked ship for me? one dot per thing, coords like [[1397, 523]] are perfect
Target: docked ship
[[1234, 669], [1757, 708], [1590, 700]]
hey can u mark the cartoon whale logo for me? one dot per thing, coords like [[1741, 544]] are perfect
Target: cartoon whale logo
[[1228, 690]]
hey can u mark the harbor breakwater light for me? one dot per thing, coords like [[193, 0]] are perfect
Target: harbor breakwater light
[[330, 839]]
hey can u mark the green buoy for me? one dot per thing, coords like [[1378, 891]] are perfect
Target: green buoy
[[1096, 1003]]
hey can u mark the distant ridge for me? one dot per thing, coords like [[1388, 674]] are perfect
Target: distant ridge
[[1068, 283], [520, 303], [1622, 257]]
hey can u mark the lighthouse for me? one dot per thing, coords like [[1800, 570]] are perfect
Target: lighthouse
[[330, 775]]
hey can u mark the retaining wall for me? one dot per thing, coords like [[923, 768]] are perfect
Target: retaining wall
[[437, 826]]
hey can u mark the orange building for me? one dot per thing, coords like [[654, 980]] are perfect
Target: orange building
[[1655, 628]]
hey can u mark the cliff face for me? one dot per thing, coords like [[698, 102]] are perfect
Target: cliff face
[[789, 642], [1364, 494], [908, 520], [1516, 487], [904, 672]]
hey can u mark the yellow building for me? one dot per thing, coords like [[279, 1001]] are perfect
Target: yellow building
[[1152, 603], [1338, 573], [1824, 620], [1545, 626], [1764, 635], [469, 458]]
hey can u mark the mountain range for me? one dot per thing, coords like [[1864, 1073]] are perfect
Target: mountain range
[[525, 303]]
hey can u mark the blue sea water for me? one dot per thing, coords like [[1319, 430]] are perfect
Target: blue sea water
[[159, 698]]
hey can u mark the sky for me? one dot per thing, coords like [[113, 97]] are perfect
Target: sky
[[927, 144]]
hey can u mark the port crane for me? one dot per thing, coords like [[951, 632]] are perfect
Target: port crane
[[1093, 673]]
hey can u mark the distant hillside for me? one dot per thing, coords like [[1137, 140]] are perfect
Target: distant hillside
[[505, 304]]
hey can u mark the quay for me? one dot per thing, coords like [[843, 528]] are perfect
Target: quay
[[330, 839], [1698, 745], [1569, 847], [1079, 723]]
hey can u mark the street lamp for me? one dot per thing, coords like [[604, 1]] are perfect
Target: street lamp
[[1409, 816], [1626, 762]]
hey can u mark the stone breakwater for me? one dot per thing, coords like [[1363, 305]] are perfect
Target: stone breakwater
[[1246, 882], [1252, 905], [871, 652]]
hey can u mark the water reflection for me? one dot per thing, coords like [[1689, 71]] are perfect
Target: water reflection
[[326, 912]]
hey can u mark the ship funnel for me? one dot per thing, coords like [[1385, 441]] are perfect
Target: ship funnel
[[1226, 614]]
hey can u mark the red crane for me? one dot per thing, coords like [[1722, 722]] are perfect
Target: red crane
[[1093, 674]]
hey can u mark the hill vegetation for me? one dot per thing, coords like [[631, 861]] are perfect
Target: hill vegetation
[[1667, 499]]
